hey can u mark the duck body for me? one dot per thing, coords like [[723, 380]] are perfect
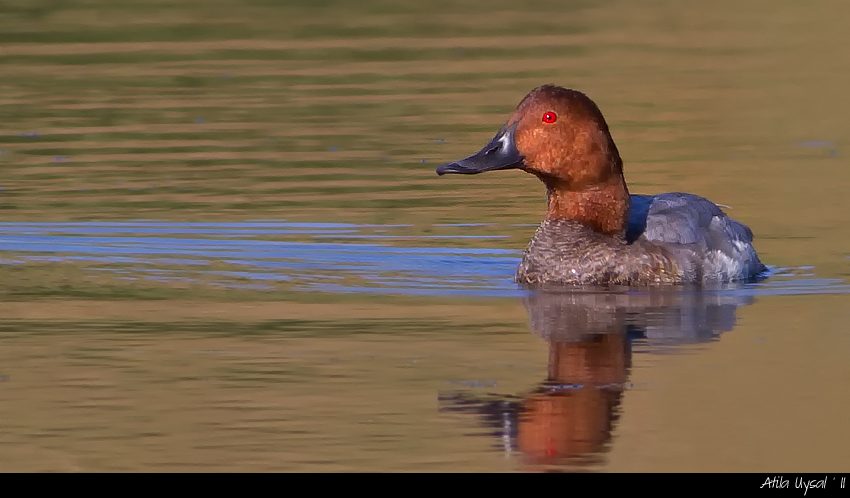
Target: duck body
[[595, 232], [671, 238]]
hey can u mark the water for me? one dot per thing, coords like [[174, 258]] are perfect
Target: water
[[223, 245]]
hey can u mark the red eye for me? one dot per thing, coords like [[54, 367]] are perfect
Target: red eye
[[550, 117]]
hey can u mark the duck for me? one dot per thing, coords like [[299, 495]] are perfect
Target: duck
[[595, 232]]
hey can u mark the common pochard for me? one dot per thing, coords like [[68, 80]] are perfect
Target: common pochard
[[595, 232]]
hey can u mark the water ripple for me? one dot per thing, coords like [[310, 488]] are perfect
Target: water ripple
[[262, 255]]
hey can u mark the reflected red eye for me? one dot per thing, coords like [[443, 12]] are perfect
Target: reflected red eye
[[550, 117]]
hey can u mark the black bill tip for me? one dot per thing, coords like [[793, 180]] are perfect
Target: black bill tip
[[453, 168]]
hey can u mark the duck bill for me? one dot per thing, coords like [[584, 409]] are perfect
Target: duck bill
[[500, 153]]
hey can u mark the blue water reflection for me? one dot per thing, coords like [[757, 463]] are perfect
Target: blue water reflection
[[318, 266], [300, 255]]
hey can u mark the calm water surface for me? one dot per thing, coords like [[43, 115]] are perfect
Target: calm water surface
[[223, 245]]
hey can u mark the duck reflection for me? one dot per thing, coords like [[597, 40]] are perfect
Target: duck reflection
[[568, 418]]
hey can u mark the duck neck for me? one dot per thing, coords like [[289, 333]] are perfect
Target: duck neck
[[604, 208]]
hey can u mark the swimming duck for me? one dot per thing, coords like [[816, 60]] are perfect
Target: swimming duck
[[595, 232]]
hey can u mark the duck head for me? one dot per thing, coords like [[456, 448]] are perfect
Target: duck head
[[560, 136]]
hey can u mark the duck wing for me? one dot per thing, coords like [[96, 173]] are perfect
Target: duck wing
[[697, 232], [679, 218]]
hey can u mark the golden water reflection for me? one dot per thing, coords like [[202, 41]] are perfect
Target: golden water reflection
[[568, 419]]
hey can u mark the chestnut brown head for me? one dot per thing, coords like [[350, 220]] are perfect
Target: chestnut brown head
[[555, 133]]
